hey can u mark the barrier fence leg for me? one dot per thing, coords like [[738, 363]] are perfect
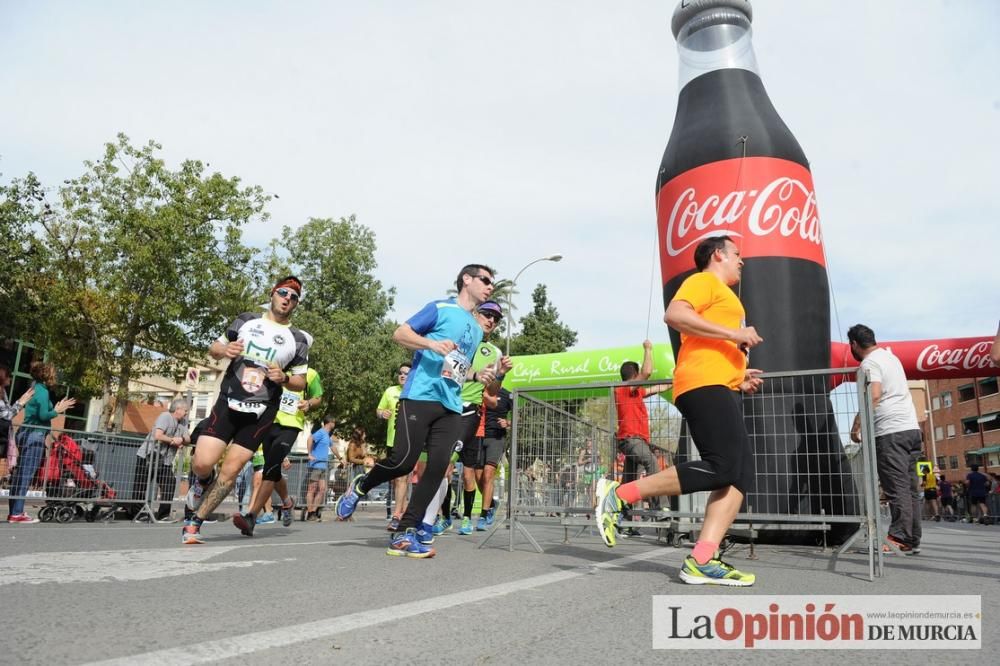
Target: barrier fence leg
[[145, 513]]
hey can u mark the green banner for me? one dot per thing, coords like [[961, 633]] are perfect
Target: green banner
[[598, 366]]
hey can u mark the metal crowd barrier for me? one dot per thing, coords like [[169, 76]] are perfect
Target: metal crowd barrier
[[813, 485], [98, 476], [69, 474]]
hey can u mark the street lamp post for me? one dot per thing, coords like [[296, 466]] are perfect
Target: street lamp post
[[930, 421], [510, 293]]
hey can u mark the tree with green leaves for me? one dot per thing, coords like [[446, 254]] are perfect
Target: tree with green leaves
[[24, 256], [345, 309], [541, 331], [143, 267]]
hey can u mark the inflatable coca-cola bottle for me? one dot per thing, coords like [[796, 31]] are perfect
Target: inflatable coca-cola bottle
[[733, 167]]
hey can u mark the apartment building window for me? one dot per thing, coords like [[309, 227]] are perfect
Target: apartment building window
[[946, 399], [990, 421], [201, 407], [988, 386], [951, 430], [966, 393], [953, 462], [970, 426], [940, 462], [938, 432], [935, 403]]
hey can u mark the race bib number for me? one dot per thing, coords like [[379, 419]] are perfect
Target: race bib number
[[252, 379], [456, 367], [247, 407], [289, 403]]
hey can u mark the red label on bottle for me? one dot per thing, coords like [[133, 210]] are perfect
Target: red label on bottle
[[766, 205]]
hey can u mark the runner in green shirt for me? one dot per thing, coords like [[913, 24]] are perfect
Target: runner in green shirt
[[488, 314], [387, 410], [278, 442]]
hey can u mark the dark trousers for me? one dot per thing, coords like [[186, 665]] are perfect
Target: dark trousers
[[163, 478], [638, 455], [897, 455], [420, 425]]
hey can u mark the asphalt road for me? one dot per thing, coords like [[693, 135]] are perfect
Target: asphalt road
[[326, 593]]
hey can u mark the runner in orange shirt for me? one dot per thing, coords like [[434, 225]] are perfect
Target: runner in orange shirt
[[710, 374]]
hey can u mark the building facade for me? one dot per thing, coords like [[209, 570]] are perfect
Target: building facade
[[962, 427]]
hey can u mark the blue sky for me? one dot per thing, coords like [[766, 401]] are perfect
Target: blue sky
[[471, 131]]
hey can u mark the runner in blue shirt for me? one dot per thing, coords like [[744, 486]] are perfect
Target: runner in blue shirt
[[443, 336]]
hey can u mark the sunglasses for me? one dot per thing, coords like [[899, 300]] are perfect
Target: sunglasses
[[287, 293], [485, 280], [491, 315]]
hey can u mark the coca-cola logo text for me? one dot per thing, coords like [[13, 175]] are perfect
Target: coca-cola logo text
[[768, 204], [976, 357]]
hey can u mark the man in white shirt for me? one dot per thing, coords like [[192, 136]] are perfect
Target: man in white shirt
[[898, 440]]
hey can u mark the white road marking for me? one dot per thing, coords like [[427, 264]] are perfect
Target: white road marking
[[126, 565], [234, 646]]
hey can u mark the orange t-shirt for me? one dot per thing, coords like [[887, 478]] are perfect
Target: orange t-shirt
[[706, 361]]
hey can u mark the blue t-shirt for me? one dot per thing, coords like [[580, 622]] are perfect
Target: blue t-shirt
[[435, 377], [320, 450]]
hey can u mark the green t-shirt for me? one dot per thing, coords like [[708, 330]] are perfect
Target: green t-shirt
[[390, 401], [486, 354], [289, 414]]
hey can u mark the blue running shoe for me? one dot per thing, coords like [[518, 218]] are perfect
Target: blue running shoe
[[441, 525], [348, 502], [466, 527], [406, 544], [266, 518], [490, 514], [393, 525], [425, 534], [481, 525], [286, 512]]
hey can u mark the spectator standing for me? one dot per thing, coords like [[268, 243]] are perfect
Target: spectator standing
[[168, 435], [633, 423], [319, 456], [357, 451], [37, 424], [930, 486], [947, 499], [8, 410], [898, 440], [977, 490]]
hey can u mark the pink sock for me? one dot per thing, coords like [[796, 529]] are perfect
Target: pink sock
[[704, 551], [628, 493]]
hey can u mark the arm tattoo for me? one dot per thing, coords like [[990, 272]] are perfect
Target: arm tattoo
[[214, 496]]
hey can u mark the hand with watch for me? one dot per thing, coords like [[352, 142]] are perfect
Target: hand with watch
[[277, 375]]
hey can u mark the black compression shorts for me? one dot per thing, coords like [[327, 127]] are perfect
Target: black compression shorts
[[277, 444], [714, 416]]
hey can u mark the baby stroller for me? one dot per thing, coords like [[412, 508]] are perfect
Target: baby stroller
[[71, 485]]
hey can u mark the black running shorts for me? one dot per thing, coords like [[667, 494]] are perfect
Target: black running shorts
[[470, 443], [243, 428]]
